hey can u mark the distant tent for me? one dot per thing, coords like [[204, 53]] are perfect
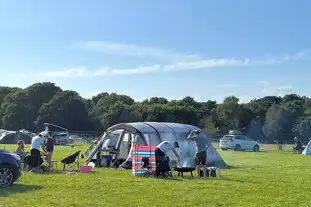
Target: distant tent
[[12, 137], [307, 150], [7, 137]]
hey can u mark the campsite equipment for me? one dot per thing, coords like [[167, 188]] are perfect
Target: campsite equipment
[[162, 166], [307, 150], [187, 157], [11, 137], [91, 164], [59, 134], [143, 160], [211, 172], [124, 136], [33, 161], [72, 161], [85, 168], [106, 160], [70, 173], [181, 170]]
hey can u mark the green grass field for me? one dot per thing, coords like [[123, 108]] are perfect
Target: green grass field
[[267, 178]]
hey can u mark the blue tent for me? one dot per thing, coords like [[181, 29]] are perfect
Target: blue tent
[[307, 150]]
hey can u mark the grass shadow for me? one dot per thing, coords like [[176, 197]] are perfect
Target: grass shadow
[[236, 181], [229, 167], [18, 188]]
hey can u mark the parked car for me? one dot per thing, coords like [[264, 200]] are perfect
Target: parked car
[[10, 168], [238, 143]]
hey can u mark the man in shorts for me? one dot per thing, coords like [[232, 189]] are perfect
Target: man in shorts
[[49, 147], [202, 144]]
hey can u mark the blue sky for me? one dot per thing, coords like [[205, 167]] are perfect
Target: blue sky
[[206, 49]]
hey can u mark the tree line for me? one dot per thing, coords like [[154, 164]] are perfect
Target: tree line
[[269, 118]]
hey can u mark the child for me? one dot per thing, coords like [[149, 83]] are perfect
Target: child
[[21, 150]]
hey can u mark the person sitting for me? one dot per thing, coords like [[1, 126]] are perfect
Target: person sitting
[[20, 150], [162, 161], [297, 145]]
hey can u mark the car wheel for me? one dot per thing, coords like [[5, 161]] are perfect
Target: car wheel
[[237, 147], [256, 148], [6, 176], [223, 149]]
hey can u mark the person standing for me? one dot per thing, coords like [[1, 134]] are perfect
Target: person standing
[[202, 144], [37, 143], [49, 147]]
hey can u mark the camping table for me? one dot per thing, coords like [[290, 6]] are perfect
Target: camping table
[[54, 163]]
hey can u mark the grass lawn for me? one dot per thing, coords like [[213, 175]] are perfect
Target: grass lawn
[[267, 178]]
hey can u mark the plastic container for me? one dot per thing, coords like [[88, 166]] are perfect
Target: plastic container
[[85, 169]]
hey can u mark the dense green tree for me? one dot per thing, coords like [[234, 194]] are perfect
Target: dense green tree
[[67, 109], [267, 118]]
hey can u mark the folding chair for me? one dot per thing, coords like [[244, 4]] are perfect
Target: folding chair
[[32, 161], [71, 161], [146, 165]]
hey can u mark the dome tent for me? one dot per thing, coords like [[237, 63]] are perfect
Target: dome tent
[[12, 137], [7, 137], [151, 134]]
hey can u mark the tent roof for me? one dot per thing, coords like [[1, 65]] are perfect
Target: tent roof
[[154, 127]]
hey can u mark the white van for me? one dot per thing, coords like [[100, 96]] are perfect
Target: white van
[[238, 143]]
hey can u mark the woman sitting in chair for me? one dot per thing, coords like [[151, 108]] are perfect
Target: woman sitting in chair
[[20, 150]]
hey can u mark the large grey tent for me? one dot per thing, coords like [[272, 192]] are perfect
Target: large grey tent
[[121, 137], [11, 137]]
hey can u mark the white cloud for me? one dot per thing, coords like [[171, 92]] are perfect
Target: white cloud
[[83, 72], [121, 49], [165, 67]]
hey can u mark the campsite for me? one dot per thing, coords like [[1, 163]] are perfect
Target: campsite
[[266, 178], [155, 103]]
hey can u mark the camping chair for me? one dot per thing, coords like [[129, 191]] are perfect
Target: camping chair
[[71, 161], [146, 165], [162, 166], [32, 161]]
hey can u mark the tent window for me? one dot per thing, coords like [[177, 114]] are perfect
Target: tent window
[[152, 139], [126, 137], [167, 136], [140, 141], [125, 146]]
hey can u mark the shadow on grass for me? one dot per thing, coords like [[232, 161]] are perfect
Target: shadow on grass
[[236, 181], [58, 172], [261, 151], [188, 178], [229, 167], [18, 188]]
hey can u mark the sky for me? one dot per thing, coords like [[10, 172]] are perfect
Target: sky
[[207, 49]]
